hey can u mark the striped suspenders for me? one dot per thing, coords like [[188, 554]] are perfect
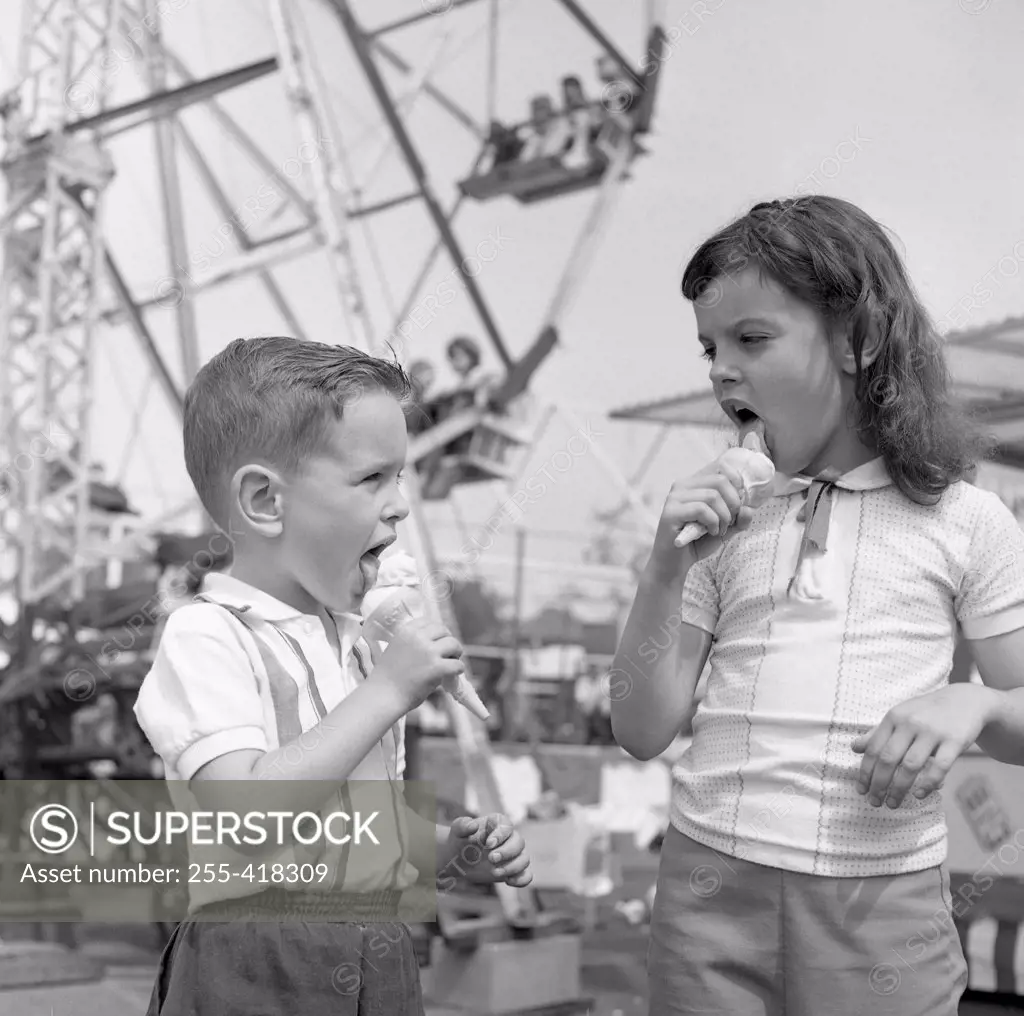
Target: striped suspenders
[[285, 696]]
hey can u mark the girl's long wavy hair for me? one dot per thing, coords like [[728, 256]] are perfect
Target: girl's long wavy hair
[[834, 257]]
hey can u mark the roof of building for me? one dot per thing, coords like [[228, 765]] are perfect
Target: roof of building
[[986, 362]]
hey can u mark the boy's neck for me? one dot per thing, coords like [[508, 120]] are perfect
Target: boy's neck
[[262, 575]]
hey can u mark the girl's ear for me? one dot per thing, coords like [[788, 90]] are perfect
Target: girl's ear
[[870, 349]]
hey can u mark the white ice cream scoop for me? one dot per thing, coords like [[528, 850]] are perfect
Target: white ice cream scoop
[[383, 624], [758, 471]]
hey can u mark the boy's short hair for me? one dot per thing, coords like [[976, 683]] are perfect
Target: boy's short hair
[[272, 398]]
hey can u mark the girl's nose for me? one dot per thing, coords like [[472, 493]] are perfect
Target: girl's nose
[[723, 370]]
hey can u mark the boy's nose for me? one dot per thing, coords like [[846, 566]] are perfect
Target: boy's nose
[[398, 509]]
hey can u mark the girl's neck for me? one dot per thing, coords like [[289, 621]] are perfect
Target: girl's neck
[[845, 452]]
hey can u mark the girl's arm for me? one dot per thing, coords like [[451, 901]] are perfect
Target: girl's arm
[[651, 689], [1000, 661], [918, 741]]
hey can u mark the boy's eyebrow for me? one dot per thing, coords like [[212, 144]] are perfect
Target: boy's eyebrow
[[377, 465]]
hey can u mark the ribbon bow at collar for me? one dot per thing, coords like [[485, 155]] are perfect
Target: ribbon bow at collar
[[816, 515]]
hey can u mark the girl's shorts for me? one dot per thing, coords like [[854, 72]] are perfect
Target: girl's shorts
[[288, 968], [733, 937]]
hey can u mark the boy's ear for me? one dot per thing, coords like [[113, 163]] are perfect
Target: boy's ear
[[258, 494]]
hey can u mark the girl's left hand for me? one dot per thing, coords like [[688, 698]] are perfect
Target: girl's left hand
[[503, 852], [926, 733]]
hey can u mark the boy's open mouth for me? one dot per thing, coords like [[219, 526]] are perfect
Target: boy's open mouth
[[369, 563]]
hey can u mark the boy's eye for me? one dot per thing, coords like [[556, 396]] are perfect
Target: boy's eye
[[753, 338], [401, 475], [372, 478], [709, 353]]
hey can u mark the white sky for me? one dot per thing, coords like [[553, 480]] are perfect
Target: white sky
[[755, 98]]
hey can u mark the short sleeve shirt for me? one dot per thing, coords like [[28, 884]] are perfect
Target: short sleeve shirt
[[814, 641]]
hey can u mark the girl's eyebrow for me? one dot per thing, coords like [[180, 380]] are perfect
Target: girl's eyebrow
[[742, 323], [756, 322]]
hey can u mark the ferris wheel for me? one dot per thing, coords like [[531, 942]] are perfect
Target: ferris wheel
[[108, 114], [163, 172]]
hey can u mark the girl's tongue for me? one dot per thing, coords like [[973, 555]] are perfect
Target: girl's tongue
[[369, 565]]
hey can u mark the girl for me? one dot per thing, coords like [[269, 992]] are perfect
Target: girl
[[803, 870]]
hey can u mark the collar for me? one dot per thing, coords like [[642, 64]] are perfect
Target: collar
[[816, 512], [871, 475], [231, 592]]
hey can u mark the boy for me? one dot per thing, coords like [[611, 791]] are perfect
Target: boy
[[296, 451]]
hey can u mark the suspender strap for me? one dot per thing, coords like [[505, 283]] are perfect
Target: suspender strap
[[286, 710], [283, 691], [285, 694], [364, 670], [357, 653]]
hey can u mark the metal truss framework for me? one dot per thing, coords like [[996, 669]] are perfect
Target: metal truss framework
[[52, 252], [56, 265], [60, 281]]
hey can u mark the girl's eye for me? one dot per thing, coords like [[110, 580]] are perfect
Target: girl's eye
[[372, 478], [401, 476], [754, 338], [708, 354]]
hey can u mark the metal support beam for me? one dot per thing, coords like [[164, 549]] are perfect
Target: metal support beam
[[274, 250], [225, 207], [362, 50], [449, 105], [131, 311], [52, 263], [645, 516], [383, 206], [433, 9], [309, 107], [231, 127], [170, 200], [433, 253], [165, 103], [593, 30]]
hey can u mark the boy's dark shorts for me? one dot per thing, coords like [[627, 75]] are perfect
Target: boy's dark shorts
[[244, 967]]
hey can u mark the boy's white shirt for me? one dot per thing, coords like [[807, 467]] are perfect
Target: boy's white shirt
[[806, 659], [208, 693]]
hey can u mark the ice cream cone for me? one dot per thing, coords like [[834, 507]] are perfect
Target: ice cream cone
[[387, 619], [751, 461]]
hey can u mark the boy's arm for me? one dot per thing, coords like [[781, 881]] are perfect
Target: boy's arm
[[429, 847], [464, 850], [651, 689], [328, 752], [201, 710]]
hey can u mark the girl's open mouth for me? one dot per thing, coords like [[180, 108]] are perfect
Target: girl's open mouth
[[739, 412], [369, 565]]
